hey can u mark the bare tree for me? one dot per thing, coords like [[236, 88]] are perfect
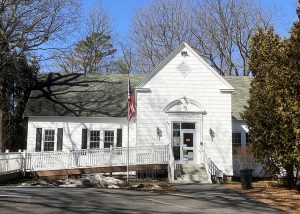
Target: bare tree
[[98, 20], [220, 31], [94, 51], [157, 29], [24, 27], [223, 31]]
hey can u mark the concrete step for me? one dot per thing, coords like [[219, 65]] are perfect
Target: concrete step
[[192, 173]]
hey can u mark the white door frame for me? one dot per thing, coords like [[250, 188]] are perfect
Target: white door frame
[[184, 147], [187, 118]]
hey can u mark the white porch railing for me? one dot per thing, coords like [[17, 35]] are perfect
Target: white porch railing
[[10, 162], [210, 166], [171, 166], [114, 156]]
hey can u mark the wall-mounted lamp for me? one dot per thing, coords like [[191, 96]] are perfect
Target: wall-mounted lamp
[[212, 134], [159, 133], [184, 53]]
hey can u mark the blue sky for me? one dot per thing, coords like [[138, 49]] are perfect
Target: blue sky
[[121, 12]]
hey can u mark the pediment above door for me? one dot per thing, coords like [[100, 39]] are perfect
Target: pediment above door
[[184, 105]]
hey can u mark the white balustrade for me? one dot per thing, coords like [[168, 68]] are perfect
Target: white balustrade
[[10, 162], [114, 156]]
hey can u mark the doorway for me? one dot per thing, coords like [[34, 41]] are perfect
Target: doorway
[[183, 140]]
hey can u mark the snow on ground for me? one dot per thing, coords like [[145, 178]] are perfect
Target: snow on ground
[[90, 180]]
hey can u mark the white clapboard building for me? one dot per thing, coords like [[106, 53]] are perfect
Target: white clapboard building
[[183, 102]]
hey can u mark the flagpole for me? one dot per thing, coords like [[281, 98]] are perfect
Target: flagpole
[[128, 130], [128, 147]]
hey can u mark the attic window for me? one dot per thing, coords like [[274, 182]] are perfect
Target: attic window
[[184, 69]]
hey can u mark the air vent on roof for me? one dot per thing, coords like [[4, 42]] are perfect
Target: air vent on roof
[[184, 69]]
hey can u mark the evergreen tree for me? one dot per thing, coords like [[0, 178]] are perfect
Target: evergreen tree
[[273, 114], [93, 54]]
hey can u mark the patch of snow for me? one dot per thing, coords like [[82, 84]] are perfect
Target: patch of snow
[[98, 180]]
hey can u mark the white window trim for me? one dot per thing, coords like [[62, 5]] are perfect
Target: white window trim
[[115, 136], [102, 137], [43, 139], [89, 138]]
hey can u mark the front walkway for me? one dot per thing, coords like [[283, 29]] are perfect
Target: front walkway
[[191, 199]]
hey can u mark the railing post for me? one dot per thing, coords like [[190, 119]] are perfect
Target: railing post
[[24, 162], [152, 154], [70, 158], [171, 164], [7, 160], [110, 155]]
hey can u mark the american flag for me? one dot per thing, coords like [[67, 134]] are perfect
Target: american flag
[[131, 107]]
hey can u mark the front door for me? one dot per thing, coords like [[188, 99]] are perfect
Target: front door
[[183, 139], [187, 146]]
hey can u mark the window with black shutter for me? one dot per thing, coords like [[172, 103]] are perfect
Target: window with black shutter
[[119, 137], [38, 145], [59, 139], [84, 139]]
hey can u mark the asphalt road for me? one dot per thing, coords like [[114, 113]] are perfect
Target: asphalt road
[[191, 199]]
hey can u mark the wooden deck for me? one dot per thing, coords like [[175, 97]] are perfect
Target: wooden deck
[[90, 170]]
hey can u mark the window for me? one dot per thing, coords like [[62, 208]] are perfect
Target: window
[[187, 125], [94, 139], [248, 141], [108, 139], [236, 143], [49, 140], [176, 140]]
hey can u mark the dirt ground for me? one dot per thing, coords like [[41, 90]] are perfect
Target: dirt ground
[[272, 193]]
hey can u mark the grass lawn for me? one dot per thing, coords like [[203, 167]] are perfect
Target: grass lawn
[[272, 193]]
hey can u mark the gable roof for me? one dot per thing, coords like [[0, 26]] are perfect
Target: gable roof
[[172, 55], [240, 95], [94, 95], [79, 95]]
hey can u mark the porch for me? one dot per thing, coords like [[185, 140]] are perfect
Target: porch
[[104, 160]]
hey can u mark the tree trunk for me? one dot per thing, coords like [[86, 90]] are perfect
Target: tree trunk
[[290, 178], [1, 130]]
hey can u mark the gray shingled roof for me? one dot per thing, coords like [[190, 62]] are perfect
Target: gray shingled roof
[[79, 95], [240, 95], [95, 95]]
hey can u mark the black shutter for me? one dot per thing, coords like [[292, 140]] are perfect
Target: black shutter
[[38, 145], [59, 139], [84, 139], [119, 137]]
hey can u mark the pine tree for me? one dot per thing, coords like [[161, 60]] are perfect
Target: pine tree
[[273, 114]]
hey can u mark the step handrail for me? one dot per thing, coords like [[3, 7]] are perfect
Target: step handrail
[[211, 167]]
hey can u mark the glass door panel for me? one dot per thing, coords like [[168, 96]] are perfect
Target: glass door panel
[[183, 135], [188, 139]]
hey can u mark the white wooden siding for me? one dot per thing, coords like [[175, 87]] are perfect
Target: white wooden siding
[[72, 130], [201, 85]]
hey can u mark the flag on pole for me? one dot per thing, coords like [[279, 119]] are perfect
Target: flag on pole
[[131, 107]]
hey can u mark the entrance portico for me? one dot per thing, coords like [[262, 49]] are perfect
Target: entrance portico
[[184, 120]]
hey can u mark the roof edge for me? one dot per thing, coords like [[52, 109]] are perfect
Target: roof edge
[[161, 65], [230, 87]]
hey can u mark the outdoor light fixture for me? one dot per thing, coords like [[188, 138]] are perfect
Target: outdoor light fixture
[[184, 53], [159, 133], [212, 133]]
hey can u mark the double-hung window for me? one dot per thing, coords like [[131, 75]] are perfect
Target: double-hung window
[[109, 137], [49, 139], [236, 142], [94, 139], [247, 139]]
